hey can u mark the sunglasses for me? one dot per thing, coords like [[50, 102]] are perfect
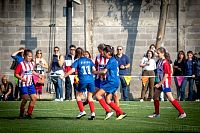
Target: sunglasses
[[119, 49], [56, 50]]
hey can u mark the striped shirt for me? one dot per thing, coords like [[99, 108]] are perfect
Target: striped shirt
[[100, 64], [25, 69]]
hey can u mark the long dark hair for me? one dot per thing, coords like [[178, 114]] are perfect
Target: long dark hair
[[79, 52], [151, 53], [181, 52], [110, 49]]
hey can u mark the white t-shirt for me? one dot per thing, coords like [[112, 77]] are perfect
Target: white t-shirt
[[151, 66]]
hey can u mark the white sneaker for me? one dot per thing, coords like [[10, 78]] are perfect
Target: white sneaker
[[152, 100], [81, 114], [181, 116], [108, 115], [154, 116], [197, 100], [57, 99], [141, 100], [122, 116], [61, 99], [92, 116]]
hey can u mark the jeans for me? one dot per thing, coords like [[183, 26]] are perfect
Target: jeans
[[182, 91], [68, 88], [177, 88], [197, 82], [58, 87], [125, 90]]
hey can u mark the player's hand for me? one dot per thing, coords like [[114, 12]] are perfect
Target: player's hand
[[193, 76], [157, 85], [23, 80]]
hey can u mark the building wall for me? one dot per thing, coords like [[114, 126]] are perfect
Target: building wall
[[131, 24]]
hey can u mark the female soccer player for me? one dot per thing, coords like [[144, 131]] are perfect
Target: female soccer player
[[24, 72], [164, 75], [111, 84], [85, 67]]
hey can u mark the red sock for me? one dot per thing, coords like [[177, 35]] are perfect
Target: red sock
[[80, 106], [91, 104], [104, 105], [157, 106], [22, 109], [117, 114], [177, 106], [30, 110], [116, 108]]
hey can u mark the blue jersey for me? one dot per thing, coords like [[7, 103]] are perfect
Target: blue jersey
[[112, 74], [84, 68]]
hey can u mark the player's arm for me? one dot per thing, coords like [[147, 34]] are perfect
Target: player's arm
[[102, 72], [69, 72], [162, 81], [17, 73]]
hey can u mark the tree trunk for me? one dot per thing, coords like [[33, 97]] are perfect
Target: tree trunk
[[162, 22]]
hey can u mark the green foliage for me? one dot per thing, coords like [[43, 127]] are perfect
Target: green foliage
[[52, 117]]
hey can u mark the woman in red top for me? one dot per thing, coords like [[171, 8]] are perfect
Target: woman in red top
[[164, 84]]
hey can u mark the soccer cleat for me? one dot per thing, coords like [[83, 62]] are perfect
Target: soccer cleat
[[122, 116], [21, 116], [28, 116], [141, 100], [154, 116], [81, 114], [152, 100], [92, 116], [181, 116], [108, 115]]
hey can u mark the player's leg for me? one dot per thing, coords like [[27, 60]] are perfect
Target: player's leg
[[23, 104], [116, 100], [175, 103], [156, 103], [31, 105], [115, 107], [82, 113], [91, 104]]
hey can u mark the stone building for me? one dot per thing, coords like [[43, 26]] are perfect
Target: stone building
[[130, 23]]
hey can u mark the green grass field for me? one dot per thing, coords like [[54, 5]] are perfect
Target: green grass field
[[52, 117]]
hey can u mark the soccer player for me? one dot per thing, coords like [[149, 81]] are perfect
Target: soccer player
[[164, 84], [111, 84], [24, 72], [85, 67]]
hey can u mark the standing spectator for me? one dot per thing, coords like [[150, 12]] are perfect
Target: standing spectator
[[18, 57], [69, 60], [148, 65], [6, 88], [40, 65], [164, 85], [110, 86], [56, 68], [85, 67], [124, 64], [88, 55], [189, 71], [152, 47], [24, 72], [197, 76], [179, 71]]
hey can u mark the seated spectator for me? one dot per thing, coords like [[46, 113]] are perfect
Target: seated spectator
[[6, 89]]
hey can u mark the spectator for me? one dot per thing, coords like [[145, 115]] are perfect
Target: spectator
[[40, 65], [148, 65], [152, 47], [6, 89], [124, 64], [189, 71], [18, 57], [69, 60], [88, 55], [56, 68], [197, 75], [24, 72], [179, 71]]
